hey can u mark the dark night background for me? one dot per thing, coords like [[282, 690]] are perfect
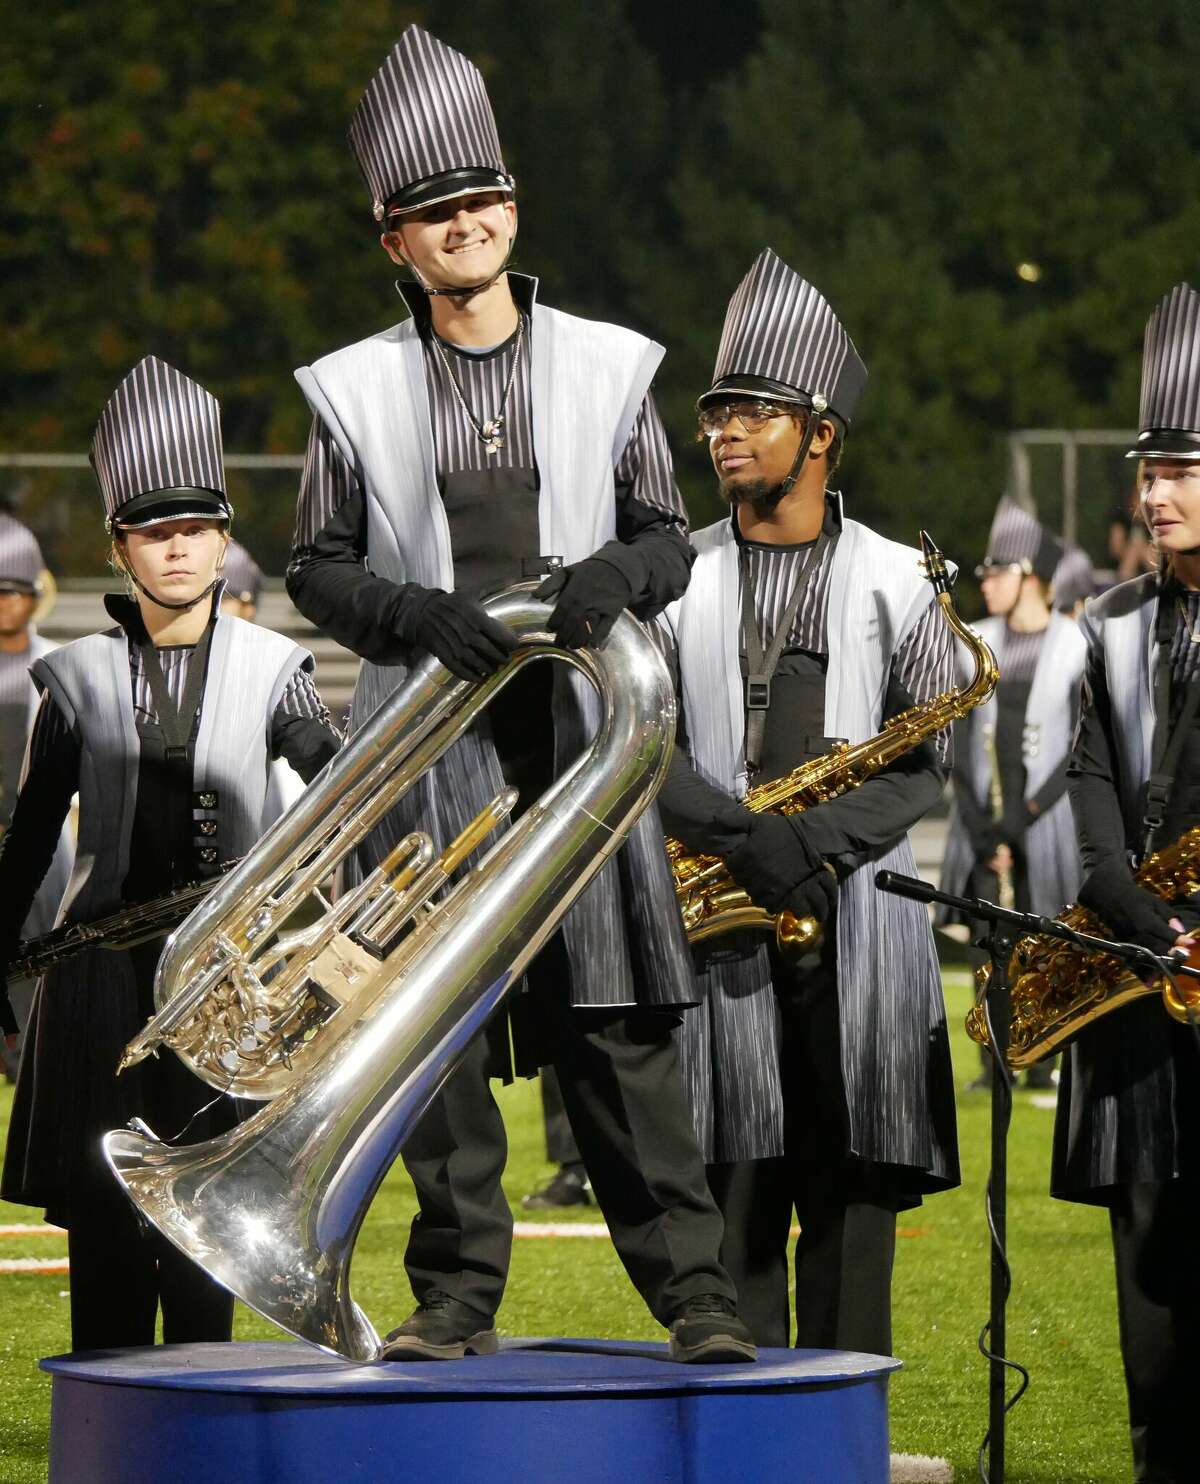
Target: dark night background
[[992, 196]]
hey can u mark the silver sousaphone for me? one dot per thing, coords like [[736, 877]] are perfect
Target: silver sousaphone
[[350, 1025]]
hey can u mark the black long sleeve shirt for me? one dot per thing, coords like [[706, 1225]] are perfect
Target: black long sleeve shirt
[[301, 733], [848, 829], [329, 577], [1092, 770]]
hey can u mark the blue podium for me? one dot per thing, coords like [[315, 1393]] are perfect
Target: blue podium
[[541, 1411]]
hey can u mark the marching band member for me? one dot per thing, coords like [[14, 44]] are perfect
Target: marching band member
[[23, 578], [1011, 837], [243, 582], [485, 439], [165, 725], [1127, 1134], [821, 1085]]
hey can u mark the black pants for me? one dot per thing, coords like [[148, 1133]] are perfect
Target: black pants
[[846, 1209], [844, 1252], [122, 1271], [621, 1087], [561, 1148], [1158, 1305]]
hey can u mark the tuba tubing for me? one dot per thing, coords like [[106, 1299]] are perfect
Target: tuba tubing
[[272, 1209]]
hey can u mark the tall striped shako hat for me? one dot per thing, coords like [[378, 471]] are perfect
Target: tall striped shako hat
[[1018, 539], [782, 340], [21, 561], [1169, 418], [423, 131], [157, 449]]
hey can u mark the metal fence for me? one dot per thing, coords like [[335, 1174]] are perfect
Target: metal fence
[[1074, 479], [55, 494]]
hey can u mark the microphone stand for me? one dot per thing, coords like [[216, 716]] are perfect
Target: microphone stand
[[1004, 927]]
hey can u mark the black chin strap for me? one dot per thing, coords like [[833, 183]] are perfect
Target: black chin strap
[[154, 598], [819, 404], [466, 293]]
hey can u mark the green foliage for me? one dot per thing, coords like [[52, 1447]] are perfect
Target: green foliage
[[178, 182], [909, 158]]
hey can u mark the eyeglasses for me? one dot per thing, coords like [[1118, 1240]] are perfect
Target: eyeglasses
[[998, 569], [753, 416]]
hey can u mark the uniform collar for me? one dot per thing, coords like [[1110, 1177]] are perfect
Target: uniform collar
[[831, 526], [124, 610]]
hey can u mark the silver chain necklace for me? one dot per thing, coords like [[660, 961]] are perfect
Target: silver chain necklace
[[490, 432]]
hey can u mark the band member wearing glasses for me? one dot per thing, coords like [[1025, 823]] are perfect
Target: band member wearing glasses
[[487, 439], [1011, 837], [165, 726], [821, 1084], [1127, 1134]]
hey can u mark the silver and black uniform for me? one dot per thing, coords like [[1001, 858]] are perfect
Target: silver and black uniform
[[68, 1095], [843, 1203], [617, 1064]]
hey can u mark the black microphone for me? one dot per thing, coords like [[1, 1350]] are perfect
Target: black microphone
[[905, 886]]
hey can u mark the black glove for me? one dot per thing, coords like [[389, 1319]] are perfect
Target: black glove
[[985, 840], [469, 643], [1127, 910], [591, 595], [779, 870]]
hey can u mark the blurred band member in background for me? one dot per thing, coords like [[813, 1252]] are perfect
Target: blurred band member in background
[[485, 439], [1011, 837], [802, 627], [1127, 1135], [165, 725], [23, 585], [1073, 583], [243, 583]]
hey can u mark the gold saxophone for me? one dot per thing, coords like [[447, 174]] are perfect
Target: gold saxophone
[[710, 900], [1058, 988]]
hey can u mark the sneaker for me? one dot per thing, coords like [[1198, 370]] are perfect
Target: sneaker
[[441, 1328], [570, 1187], [707, 1330]]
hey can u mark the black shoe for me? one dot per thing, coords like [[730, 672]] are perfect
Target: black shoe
[[570, 1187], [707, 1330], [441, 1328]]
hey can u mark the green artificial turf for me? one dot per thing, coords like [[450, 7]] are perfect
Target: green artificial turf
[[1070, 1426]]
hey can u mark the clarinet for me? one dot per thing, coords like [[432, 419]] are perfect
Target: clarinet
[[125, 928]]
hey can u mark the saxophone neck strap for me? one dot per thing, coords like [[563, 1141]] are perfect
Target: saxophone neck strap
[[174, 721], [1169, 739], [761, 667]]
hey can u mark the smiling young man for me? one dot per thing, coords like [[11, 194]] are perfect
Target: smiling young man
[[820, 1085], [1127, 1135], [485, 440]]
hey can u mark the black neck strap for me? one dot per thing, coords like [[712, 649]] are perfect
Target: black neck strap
[[761, 667], [1167, 747], [176, 722]]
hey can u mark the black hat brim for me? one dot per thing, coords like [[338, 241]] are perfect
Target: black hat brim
[[156, 506], [1165, 443], [447, 186]]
